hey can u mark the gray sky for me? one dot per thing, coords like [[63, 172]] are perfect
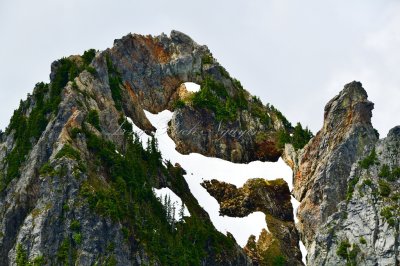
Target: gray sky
[[293, 54]]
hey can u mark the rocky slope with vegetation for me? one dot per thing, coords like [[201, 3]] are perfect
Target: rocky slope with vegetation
[[76, 184]]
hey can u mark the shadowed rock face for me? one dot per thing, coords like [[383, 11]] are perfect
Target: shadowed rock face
[[269, 197], [242, 140], [273, 199]]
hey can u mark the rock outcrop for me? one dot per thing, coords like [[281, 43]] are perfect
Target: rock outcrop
[[243, 139], [280, 244], [340, 215], [225, 121], [365, 229], [154, 67]]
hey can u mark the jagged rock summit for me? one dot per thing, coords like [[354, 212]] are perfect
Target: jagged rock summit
[[339, 184], [223, 120], [322, 167]]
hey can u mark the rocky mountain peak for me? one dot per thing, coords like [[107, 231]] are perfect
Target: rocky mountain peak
[[76, 183], [181, 37], [350, 107], [394, 132], [364, 228], [322, 167]]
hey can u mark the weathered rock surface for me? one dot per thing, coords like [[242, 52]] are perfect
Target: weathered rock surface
[[244, 139], [322, 167], [154, 67], [340, 218], [152, 70], [368, 221], [280, 244]]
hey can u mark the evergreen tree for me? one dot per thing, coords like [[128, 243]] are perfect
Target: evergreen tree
[[165, 205], [182, 212], [148, 146], [155, 153], [301, 136], [173, 210], [168, 206], [22, 257]]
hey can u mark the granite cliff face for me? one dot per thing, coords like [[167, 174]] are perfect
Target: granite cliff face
[[322, 167], [336, 179]]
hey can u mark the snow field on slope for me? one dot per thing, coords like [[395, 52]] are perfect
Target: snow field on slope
[[200, 168]]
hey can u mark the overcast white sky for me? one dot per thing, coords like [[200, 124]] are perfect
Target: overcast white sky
[[293, 54]]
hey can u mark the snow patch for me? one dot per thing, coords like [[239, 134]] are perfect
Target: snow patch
[[295, 205], [144, 138], [200, 168], [175, 202], [303, 252], [192, 87], [117, 152], [303, 249]]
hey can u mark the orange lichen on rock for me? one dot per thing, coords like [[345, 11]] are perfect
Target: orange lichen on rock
[[130, 90], [156, 49]]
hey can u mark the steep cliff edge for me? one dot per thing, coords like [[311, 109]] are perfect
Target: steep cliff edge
[[336, 179], [365, 229]]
